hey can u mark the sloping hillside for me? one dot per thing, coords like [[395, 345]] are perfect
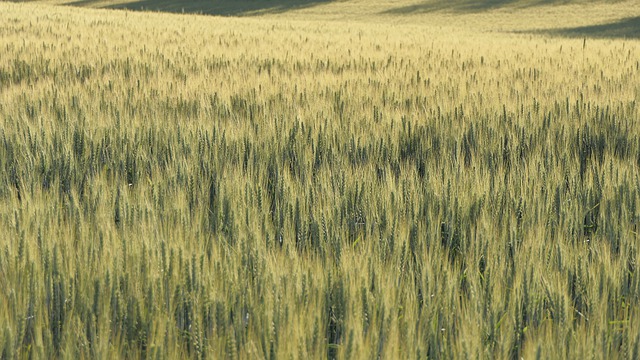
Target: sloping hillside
[[573, 18]]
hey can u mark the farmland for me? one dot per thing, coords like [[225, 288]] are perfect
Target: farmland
[[399, 180]]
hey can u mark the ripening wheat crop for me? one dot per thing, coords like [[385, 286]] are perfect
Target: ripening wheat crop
[[176, 186]]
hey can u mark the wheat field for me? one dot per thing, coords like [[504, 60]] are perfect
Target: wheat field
[[348, 180]]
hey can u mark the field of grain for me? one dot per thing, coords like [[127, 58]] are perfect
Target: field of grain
[[323, 181]]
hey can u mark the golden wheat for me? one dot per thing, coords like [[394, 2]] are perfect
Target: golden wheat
[[191, 186]]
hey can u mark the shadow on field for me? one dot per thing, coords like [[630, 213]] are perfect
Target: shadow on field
[[472, 6], [628, 28], [207, 7], [450, 6]]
